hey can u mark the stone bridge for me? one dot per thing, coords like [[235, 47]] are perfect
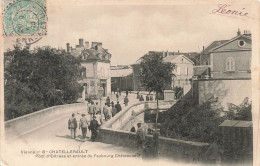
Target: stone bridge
[[47, 130]]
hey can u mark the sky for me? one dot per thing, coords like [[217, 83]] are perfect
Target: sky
[[130, 31]]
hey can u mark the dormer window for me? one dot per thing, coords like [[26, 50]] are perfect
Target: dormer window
[[230, 64], [241, 43]]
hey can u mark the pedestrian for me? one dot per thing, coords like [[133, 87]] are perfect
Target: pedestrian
[[112, 104], [126, 92], [93, 127], [147, 98], [83, 124], [72, 126], [97, 108], [91, 109], [108, 101], [117, 96], [105, 111], [214, 153], [141, 98], [109, 115], [151, 97], [99, 118], [126, 100], [155, 143], [114, 111], [141, 136], [118, 107], [137, 95]]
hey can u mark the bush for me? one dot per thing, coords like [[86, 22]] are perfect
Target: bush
[[190, 121]]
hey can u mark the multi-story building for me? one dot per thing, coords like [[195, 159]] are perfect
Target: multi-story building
[[95, 62], [183, 72], [229, 58], [226, 71], [181, 75]]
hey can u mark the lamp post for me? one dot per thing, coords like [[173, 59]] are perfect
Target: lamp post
[[100, 93]]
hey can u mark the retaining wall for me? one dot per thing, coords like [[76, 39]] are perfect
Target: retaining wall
[[173, 148]]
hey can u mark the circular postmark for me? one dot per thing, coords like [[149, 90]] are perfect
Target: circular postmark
[[25, 18]]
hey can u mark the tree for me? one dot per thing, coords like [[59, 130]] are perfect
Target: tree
[[188, 120], [37, 79], [156, 74]]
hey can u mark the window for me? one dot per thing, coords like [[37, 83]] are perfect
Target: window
[[206, 62], [186, 71], [230, 64], [241, 43]]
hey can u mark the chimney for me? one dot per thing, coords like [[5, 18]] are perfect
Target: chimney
[[94, 44], [86, 44], [81, 42], [238, 32], [68, 47], [99, 46]]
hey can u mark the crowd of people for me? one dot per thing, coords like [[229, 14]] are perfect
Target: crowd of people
[[149, 97], [110, 109]]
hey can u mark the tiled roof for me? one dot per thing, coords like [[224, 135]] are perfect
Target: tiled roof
[[213, 45]]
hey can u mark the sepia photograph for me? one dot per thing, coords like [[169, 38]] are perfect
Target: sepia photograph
[[129, 83]]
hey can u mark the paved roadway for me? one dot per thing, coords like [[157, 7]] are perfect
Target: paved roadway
[[56, 136]]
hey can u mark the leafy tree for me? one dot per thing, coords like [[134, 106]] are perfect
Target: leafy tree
[[156, 74], [189, 120], [38, 79]]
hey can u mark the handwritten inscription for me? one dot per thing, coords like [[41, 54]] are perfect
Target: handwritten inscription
[[225, 9]]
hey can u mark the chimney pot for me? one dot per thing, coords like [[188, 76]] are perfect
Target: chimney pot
[[68, 47], [81, 42], [238, 32]]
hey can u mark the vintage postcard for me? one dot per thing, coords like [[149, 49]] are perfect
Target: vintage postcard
[[129, 82]]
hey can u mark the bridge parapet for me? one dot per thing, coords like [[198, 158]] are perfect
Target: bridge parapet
[[26, 123], [123, 117]]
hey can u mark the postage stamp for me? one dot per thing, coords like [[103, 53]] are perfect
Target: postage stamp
[[25, 18]]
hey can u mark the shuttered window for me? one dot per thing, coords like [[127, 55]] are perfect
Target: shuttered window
[[230, 64]]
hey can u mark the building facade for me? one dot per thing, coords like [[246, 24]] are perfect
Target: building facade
[[183, 72], [228, 64], [229, 58], [95, 72]]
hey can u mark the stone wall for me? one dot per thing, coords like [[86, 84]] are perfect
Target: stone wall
[[17, 126], [123, 117], [227, 90], [173, 148]]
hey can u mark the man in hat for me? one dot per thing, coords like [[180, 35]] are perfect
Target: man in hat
[[83, 124], [118, 107], [91, 109], [141, 136], [93, 127], [126, 100], [72, 126]]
